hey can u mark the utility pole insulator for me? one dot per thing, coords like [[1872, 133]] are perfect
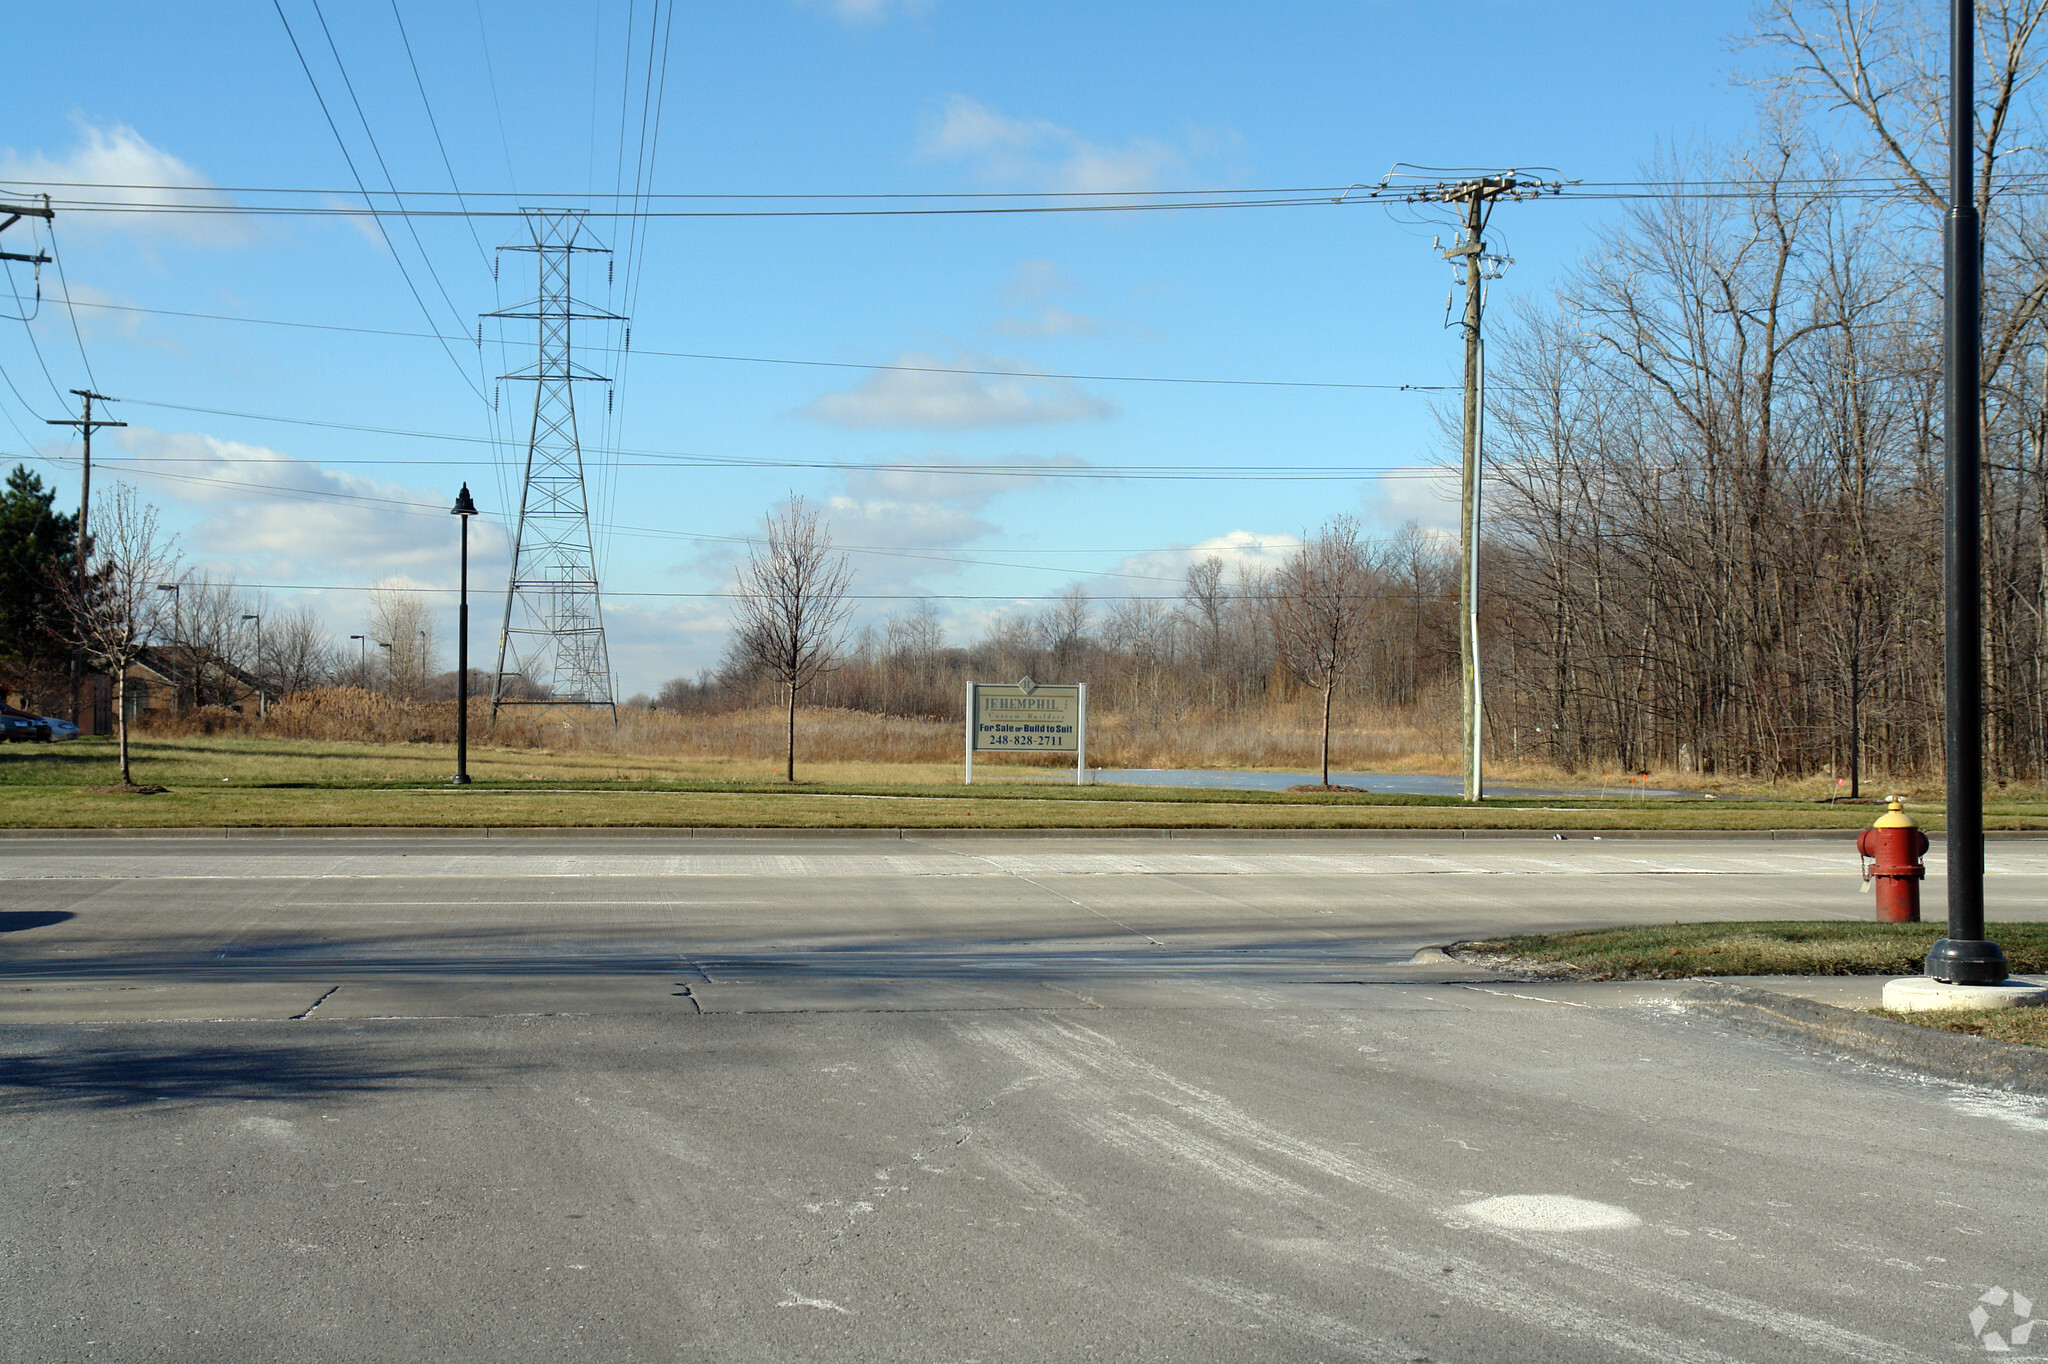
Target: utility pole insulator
[[15, 213]]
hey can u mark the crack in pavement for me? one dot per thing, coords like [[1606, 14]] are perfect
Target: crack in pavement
[[316, 1004]]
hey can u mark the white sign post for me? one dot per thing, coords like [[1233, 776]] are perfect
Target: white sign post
[[1028, 717]]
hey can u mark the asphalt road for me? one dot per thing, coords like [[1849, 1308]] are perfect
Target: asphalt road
[[955, 1099]]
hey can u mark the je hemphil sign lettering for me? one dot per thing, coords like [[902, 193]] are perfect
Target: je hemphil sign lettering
[[1028, 717]]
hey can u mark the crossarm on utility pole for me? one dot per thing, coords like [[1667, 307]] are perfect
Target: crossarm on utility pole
[[86, 426]]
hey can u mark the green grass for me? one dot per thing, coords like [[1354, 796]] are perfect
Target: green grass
[[224, 781], [1745, 949], [2028, 1026]]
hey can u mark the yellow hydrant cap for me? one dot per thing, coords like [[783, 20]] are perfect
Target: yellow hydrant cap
[[1895, 817]]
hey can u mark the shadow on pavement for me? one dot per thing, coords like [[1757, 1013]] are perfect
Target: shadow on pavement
[[20, 920], [122, 1077]]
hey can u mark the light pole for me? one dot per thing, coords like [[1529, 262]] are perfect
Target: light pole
[[464, 509], [390, 663], [1964, 957], [362, 660], [177, 636], [259, 663]]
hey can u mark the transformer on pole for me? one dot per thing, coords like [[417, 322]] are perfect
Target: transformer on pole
[[551, 650]]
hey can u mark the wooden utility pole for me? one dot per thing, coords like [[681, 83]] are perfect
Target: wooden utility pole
[[15, 213], [1477, 197], [86, 426]]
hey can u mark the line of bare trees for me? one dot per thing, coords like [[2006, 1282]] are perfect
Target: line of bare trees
[[1347, 623], [1716, 524], [219, 642]]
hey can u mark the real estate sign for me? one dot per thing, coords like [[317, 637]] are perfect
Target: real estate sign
[[1028, 717]]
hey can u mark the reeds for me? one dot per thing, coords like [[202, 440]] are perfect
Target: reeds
[[1282, 737]]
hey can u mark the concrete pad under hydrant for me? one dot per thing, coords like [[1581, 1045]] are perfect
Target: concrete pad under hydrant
[[1912, 994]]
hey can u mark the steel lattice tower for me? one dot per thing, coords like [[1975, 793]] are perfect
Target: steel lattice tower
[[553, 635]]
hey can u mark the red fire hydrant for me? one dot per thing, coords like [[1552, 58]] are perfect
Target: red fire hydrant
[[1894, 846]]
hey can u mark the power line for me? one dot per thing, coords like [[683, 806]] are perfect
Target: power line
[[1250, 472], [434, 124], [725, 595], [436, 511], [349, 85], [69, 309], [813, 364], [491, 73], [400, 211], [941, 205], [363, 190], [1352, 194]]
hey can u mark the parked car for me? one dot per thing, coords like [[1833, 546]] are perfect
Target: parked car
[[60, 728], [22, 729]]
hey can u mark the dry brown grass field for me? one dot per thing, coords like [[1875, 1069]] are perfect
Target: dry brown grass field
[[1281, 738]]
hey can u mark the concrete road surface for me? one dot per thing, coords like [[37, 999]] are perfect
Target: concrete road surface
[[626, 1098]]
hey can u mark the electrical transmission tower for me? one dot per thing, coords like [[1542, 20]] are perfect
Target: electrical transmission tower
[[551, 650]]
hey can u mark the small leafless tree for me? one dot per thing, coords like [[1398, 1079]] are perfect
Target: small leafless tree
[[401, 620], [790, 609], [1063, 626], [215, 641], [1320, 605], [120, 608], [298, 653]]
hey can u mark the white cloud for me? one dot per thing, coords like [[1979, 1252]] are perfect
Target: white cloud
[[649, 643], [268, 516], [945, 477], [1043, 154], [873, 11], [123, 167], [1049, 320], [1426, 494], [1033, 285], [932, 395], [1240, 551], [103, 315], [362, 220], [1036, 280]]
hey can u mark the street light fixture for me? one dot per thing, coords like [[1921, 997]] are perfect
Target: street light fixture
[[177, 637], [362, 658], [260, 697], [463, 509]]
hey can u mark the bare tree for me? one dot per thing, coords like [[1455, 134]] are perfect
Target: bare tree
[[215, 641], [790, 609], [1206, 595], [298, 653], [1320, 606], [401, 622], [120, 608], [1062, 626]]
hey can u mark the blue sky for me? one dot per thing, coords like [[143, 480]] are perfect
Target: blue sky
[[799, 97]]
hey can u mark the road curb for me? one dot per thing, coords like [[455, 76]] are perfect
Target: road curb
[[1930, 1051], [1845, 836]]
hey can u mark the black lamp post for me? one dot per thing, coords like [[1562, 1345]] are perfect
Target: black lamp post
[[464, 509], [1965, 956]]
